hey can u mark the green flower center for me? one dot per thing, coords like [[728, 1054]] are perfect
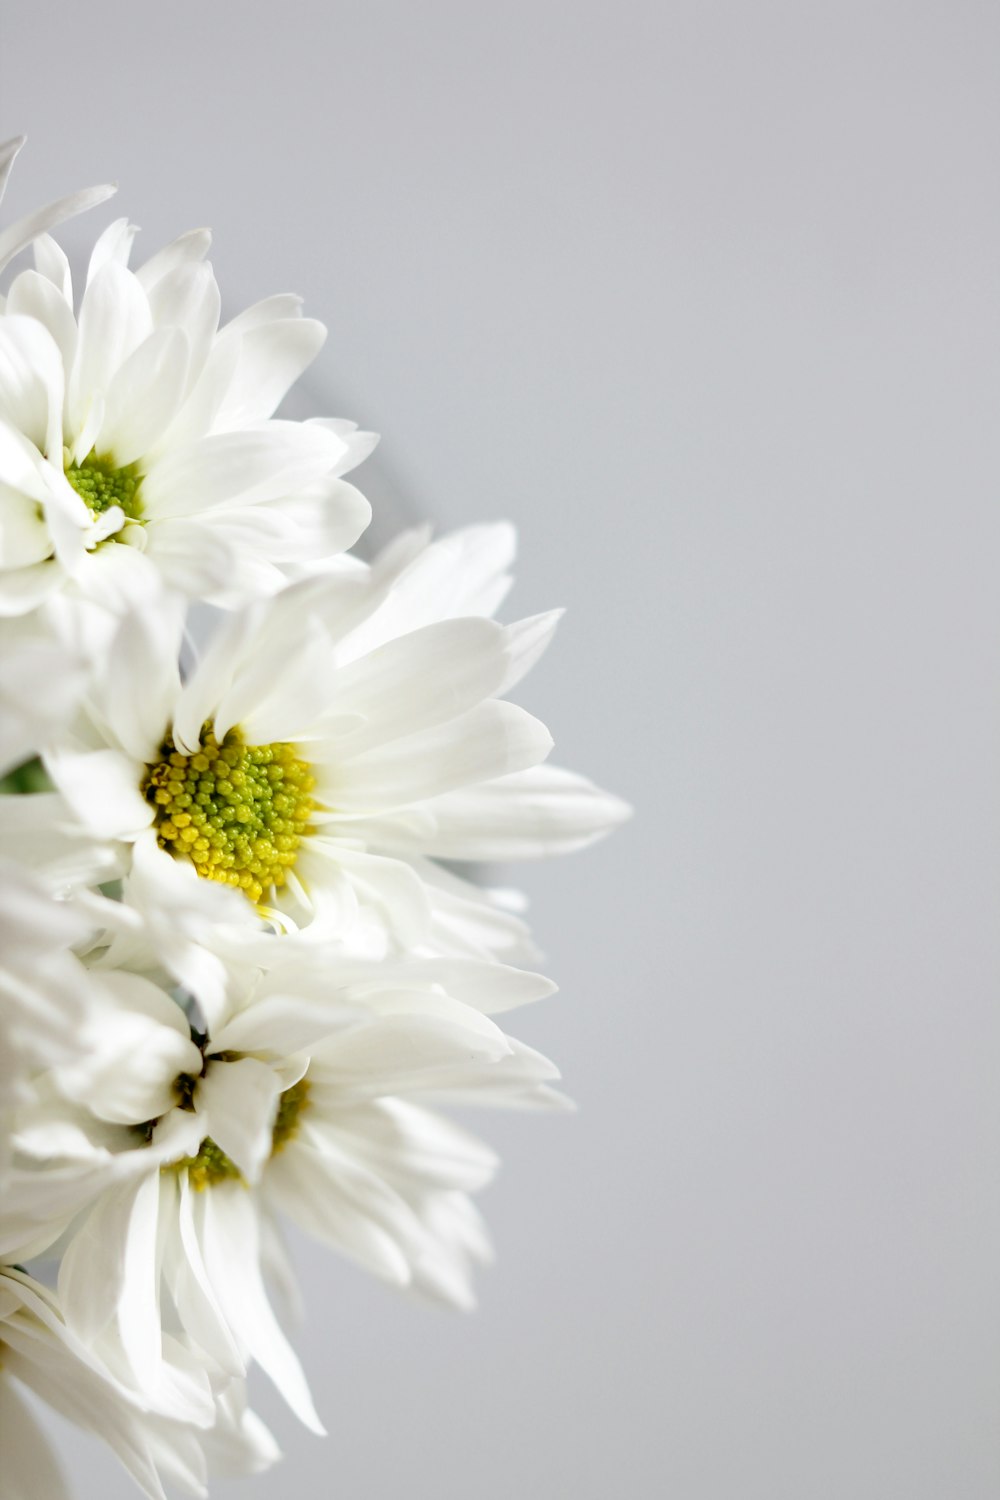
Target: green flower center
[[290, 1106], [237, 811], [101, 485], [210, 1167]]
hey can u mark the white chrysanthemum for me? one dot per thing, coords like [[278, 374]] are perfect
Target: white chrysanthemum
[[306, 1094], [332, 740], [39, 1352], [137, 440]]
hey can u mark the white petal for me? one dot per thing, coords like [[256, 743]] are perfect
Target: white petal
[[24, 537], [491, 740], [272, 356], [324, 519], [238, 1101], [193, 246], [526, 641], [490, 987], [35, 296], [113, 245], [417, 681], [191, 1285], [344, 1205], [145, 650], [20, 234], [232, 1257], [248, 467], [31, 383], [187, 297], [114, 320], [102, 787], [52, 263], [8, 154], [144, 396], [532, 814]]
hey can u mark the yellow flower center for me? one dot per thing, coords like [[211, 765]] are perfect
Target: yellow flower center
[[210, 1167], [290, 1106], [237, 811], [101, 485]]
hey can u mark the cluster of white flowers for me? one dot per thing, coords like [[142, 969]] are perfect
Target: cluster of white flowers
[[237, 979]]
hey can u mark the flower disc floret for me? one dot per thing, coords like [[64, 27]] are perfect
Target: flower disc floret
[[237, 811], [290, 1106], [101, 485], [210, 1167]]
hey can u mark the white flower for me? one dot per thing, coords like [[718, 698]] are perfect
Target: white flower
[[307, 1094], [38, 1351], [137, 440], [332, 738], [239, 975]]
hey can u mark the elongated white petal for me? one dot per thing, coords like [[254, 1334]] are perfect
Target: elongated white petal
[[17, 236], [8, 153], [31, 382], [418, 681], [229, 1227], [143, 396], [36, 296], [491, 740], [530, 814], [251, 466]]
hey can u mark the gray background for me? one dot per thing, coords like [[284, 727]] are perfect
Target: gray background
[[704, 296]]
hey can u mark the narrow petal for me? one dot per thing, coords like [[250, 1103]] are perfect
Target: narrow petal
[[248, 467], [20, 234], [229, 1221], [493, 739], [114, 321], [143, 396]]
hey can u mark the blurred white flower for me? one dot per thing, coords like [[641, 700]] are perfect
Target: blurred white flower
[[40, 1353], [44, 989]]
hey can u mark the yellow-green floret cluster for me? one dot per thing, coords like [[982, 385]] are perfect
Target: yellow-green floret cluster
[[290, 1107], [210, 1167], [237, 811], [98, 482]]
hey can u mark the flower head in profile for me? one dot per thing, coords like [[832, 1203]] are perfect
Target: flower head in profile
[[330, 740]]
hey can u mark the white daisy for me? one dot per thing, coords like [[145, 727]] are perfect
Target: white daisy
[[39, 1352], [307, 1094], [138, 440], [331, 740]]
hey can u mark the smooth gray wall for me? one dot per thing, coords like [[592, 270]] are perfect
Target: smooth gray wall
[[704, 296]]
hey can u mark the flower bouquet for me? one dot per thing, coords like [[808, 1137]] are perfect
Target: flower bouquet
[[243, 969]]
